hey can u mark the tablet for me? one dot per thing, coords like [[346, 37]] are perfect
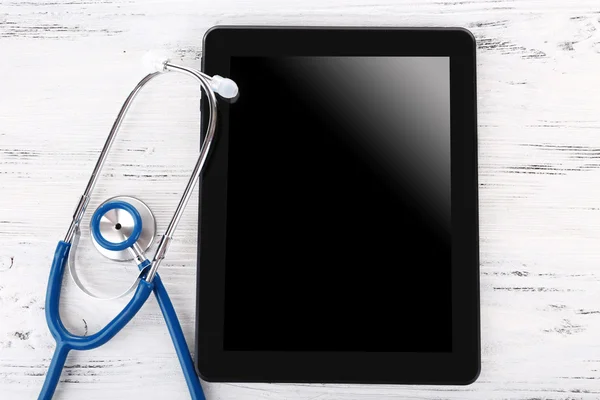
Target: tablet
[[338, 229]]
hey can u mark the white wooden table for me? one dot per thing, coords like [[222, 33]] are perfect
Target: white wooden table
[[65, 68]]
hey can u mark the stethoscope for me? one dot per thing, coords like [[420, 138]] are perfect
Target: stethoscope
[[123, 228]]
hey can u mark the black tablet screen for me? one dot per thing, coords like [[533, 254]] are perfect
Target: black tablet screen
[[338, 205]]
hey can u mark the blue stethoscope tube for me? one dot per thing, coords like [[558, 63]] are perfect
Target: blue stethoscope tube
[[176, 332], [66, 341]]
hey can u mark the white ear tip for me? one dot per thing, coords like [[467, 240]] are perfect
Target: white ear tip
[[224, 87], [155, 61]]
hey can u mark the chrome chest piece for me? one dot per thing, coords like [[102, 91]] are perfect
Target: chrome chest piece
[[117, 224], [122, 229]]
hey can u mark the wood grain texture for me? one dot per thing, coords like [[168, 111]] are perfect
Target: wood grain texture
[[65, 68]]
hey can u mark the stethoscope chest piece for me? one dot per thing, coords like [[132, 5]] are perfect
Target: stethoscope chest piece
[[122, 228]]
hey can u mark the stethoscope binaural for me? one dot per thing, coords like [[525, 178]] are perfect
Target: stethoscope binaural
[[121, 226]]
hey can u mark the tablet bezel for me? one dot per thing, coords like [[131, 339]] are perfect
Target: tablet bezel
[[459, 367]]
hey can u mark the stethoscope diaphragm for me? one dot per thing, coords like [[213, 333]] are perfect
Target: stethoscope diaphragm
[[121, 229], [114, 222]]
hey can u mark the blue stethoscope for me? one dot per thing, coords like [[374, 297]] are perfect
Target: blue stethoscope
[[118, 226]]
